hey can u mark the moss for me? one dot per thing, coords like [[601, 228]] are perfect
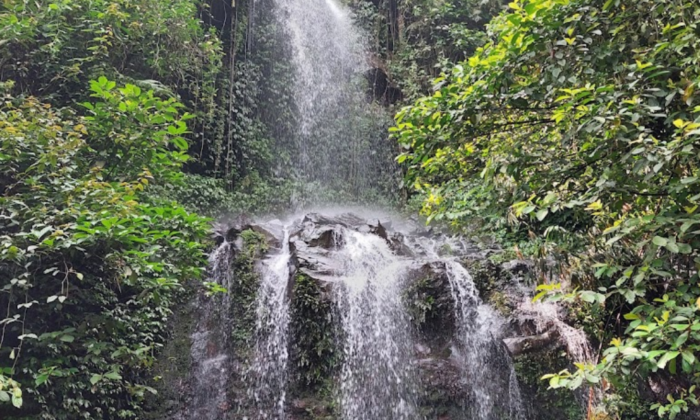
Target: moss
[[172, 367], [503, 256], [500, 301], [314, 357], [558, 404], [429, 304], [419, 301], [487, 276]]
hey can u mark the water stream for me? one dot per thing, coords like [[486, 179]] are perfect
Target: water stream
[[378, 378], [211, 367], [341, 146], [269, 367], [367, 271]]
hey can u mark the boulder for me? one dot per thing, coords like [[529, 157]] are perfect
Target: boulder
[[532, 343]]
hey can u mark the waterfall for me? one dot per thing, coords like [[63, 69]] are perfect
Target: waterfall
[[269, 367], [366, 269], [378, 380], [335, 153], [211, 369], [478, 334]]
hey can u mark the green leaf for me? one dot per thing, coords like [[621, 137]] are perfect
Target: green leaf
[[113, 375], [95, 379], [180, 143], [688, 356], [41, 379], [671, 246], [659, 241], [667, 357]]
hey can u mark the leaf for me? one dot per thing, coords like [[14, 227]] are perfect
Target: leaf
[[95, 379], [673, 247], [4, 396], [541, 214], [67, 338], [113, 375], [681, 340], [180, 143], [41, 379], [659, 241], [51, 299], [688, 356], [667, 357]]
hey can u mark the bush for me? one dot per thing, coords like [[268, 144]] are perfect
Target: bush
[[89, 266], [580, 124]]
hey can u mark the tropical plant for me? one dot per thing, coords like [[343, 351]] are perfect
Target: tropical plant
[[579, 125], [90, 267]]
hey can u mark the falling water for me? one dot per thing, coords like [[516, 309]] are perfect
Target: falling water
[[334, 146], [478, 335], [377, 376], [269, 368], [548, 316], [210, 360]]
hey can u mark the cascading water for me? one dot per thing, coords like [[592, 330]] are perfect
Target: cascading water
[[211, 369], [367, 271], [378, 380], [335, 150], [478, 341], [478, 329], [269, 367]]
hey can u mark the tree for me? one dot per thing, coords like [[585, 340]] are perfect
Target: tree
[[579, 123], [90, 265]]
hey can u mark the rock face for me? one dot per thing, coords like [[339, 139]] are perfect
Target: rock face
[[316, 340]]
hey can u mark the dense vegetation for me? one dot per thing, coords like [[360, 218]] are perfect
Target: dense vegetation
[[574, 133], [91, 261], [567, 129]]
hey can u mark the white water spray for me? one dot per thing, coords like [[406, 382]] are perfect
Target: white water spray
[[378, 379], [269, 366]]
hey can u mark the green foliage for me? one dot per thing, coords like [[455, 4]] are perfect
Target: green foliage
[[314, 349], [89, 265], [578, 125], [437, 34], [53, 48], [430, 36], [551, 405]]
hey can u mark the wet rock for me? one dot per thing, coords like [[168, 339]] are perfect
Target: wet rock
[[532, 343], [379, 230], [397, 243], [430, 304], [446, 386], [518, 267]]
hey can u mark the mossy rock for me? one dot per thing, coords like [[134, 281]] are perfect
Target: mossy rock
[[546, 404], [172, 367], [429, 303], [314, 354]]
